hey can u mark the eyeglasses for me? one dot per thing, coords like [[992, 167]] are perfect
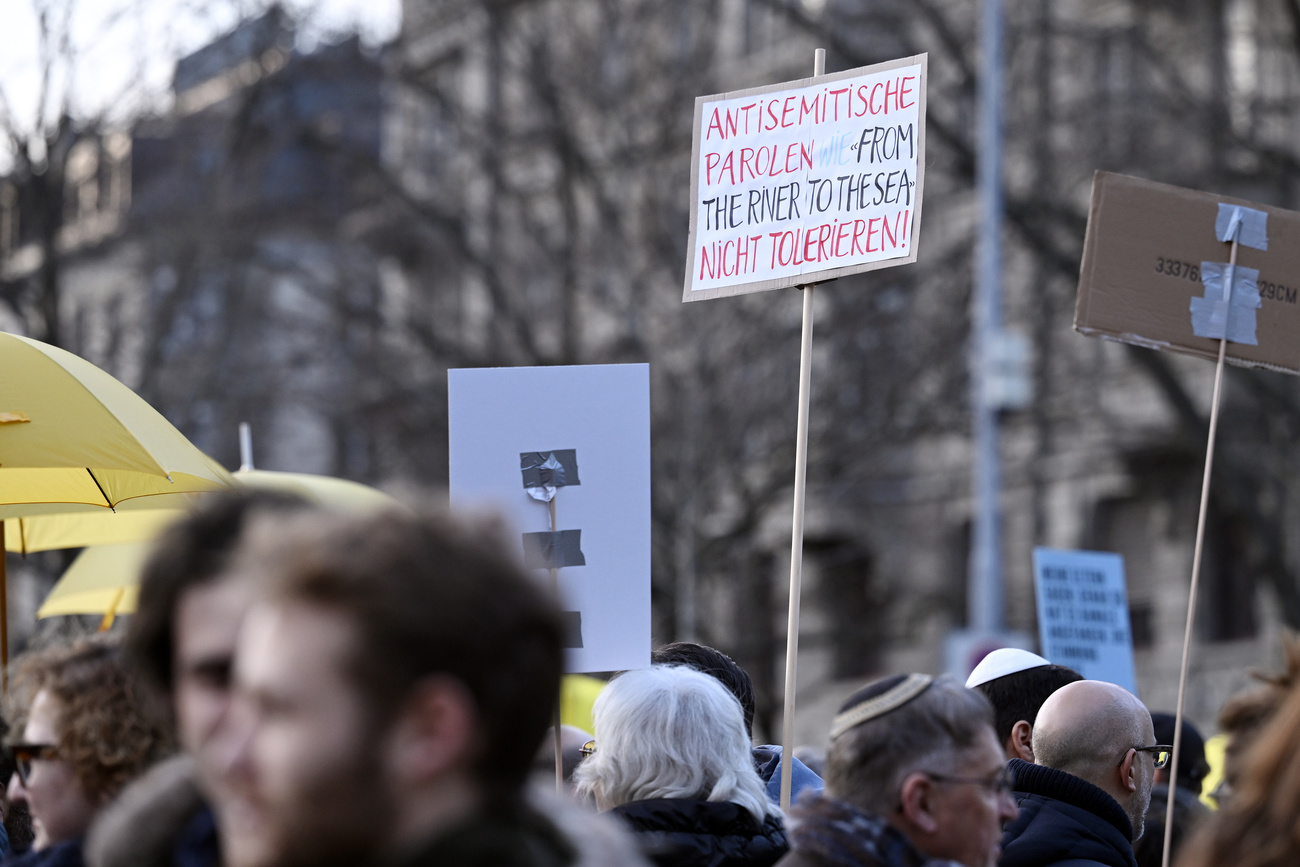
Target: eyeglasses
[[587, 749], [24, 754], [1001, 784], [1159, 752]]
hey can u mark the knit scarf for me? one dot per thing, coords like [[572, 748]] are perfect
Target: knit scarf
[[840, 835]]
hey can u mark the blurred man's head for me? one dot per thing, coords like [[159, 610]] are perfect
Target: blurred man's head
[[396, 679], [1244, 715], [921, 753], [1017, 683], [183, 633], [1102, 734], [717, 665]]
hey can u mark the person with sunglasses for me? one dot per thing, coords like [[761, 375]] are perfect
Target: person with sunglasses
[[1084, 799], [85, 733]]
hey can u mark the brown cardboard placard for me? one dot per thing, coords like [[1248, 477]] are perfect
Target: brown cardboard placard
[[805, 181], [1141, 267]]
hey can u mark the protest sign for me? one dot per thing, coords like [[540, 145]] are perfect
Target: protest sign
[[1144, 263], [1083, 618], [1170, 268], [564, 453], [806, 181]]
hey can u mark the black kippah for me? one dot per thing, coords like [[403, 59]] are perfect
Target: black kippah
[[878, 699]]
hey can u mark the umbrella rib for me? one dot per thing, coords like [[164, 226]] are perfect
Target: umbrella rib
[[107, 500]]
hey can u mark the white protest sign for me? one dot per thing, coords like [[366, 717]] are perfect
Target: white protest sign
[[1083, 614], [582, 435], [806, 181]]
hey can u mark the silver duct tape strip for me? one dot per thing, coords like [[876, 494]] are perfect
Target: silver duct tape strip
[[558, 550], [1250, 225], [553, 469], [1228, 309]]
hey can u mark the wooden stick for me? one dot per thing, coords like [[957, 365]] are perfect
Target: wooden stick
[[559, 756], [4, 614], [110, 614], [1196, 573], [796, 536], [555, 723]]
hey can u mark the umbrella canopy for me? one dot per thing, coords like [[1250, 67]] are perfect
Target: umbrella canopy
[[102, 579], [72, 435], [51, 527], [105, 579], [45, 528]]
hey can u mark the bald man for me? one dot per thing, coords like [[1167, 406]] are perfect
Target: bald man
[[1084, 799]]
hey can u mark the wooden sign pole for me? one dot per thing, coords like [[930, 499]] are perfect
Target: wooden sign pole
[[1196, 573], [4, 615], [796, 539], [558, 737]]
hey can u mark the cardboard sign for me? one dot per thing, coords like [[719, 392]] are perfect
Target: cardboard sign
[[1144, 269], [1083, 614], [523, 438], [806, 181]]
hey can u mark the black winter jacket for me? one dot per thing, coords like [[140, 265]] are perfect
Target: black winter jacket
[[685, 833], [1064, 821], [65, 854]]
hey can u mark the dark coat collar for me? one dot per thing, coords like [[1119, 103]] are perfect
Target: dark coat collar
[[688, 832], [1060, 786], [1064, 819]]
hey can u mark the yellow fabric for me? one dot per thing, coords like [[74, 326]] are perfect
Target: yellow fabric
[[1214, 755], [96, 579], [46, 527], [90, 439], [577, 694], [323, 490], [133, 520], [91, 584]]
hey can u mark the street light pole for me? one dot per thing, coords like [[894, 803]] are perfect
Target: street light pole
[[985, 586]]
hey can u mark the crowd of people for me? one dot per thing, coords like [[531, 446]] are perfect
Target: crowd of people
[[303, 687]]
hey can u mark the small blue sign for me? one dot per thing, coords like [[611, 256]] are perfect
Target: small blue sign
[[1083, 614]]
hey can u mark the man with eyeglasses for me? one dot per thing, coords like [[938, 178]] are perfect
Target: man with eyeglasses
[[914, 776], [1084, 799]]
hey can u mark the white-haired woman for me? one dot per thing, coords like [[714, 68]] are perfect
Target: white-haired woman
[[672, 759]]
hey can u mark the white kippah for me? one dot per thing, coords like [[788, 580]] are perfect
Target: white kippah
[[1004, 661]]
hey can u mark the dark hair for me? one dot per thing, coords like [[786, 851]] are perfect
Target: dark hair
[[1192, 766], [428, 594], [109, 727], [1018, 696], [716, 664], [190, 552]]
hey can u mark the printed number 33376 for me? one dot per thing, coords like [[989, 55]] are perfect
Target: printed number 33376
[[1176, 268]]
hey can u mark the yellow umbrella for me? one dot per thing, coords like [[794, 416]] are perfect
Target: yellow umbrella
[[71, 435], [45, 528], [102, 580], [74, 438], [141, 519], [105, 579]]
